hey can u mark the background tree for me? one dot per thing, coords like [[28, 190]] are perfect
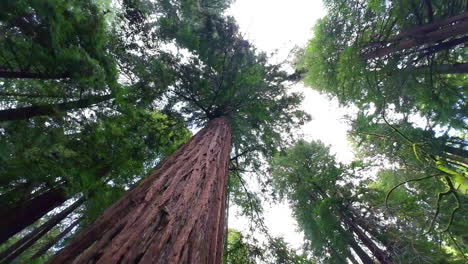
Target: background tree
[[403, 54], [339, 211]]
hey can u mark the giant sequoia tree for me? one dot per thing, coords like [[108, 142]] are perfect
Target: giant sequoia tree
[[177, 213]]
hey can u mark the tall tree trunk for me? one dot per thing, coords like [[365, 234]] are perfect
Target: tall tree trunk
[[455, 68], [429, 27], [24, 243], [31, 95], [421, 35], [31, 75], [442, 46], [56, 239], [375, 235], [175, 215], [352, 259], [365, 258], [40, 110], [14, 220], [376, 251], [456, 151], [452, 68]]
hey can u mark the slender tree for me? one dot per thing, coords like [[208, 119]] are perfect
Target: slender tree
[[40, 252], [307, 175], [42, 110]]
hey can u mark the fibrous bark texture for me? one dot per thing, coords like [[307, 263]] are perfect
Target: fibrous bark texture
[[175, 215], [438, 31]]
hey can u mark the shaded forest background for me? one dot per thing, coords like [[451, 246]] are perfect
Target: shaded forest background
[[94, 95]]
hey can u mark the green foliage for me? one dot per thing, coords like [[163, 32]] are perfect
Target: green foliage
[[339, 59], [425, 192], [56, 38], [306, 175], [241, 250]]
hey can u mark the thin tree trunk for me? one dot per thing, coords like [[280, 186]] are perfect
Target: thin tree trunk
[[430, 11], [20, 217], [31, 75], [24, 243], [452, 68], [56, 239], [352, 259], [175, 215], [365, 258], [455, 68], [31, 95], [41, 110], [376, 251], [456, 151], [226, 223], [442, 46]]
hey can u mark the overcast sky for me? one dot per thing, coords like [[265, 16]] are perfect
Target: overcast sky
[[280, 25]]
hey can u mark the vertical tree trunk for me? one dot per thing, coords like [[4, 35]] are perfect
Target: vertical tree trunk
[[376, 251], [353, 260], [20, 217], [40, 110], [28, 240], [175, 215], [365, 258]]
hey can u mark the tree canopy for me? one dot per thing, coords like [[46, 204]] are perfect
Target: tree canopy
[[96, 96]]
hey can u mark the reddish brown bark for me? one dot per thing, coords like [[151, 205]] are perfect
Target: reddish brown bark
[[16, 219], [421, 35], [175, 215]]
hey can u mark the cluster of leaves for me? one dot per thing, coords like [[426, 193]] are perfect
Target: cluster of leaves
[[242, 250], [412, 72], [403, 64]]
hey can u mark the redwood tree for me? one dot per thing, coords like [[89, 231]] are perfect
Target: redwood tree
[[409, 55], [176, 215]]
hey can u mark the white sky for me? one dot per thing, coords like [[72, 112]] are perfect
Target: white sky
[[280, 25]]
